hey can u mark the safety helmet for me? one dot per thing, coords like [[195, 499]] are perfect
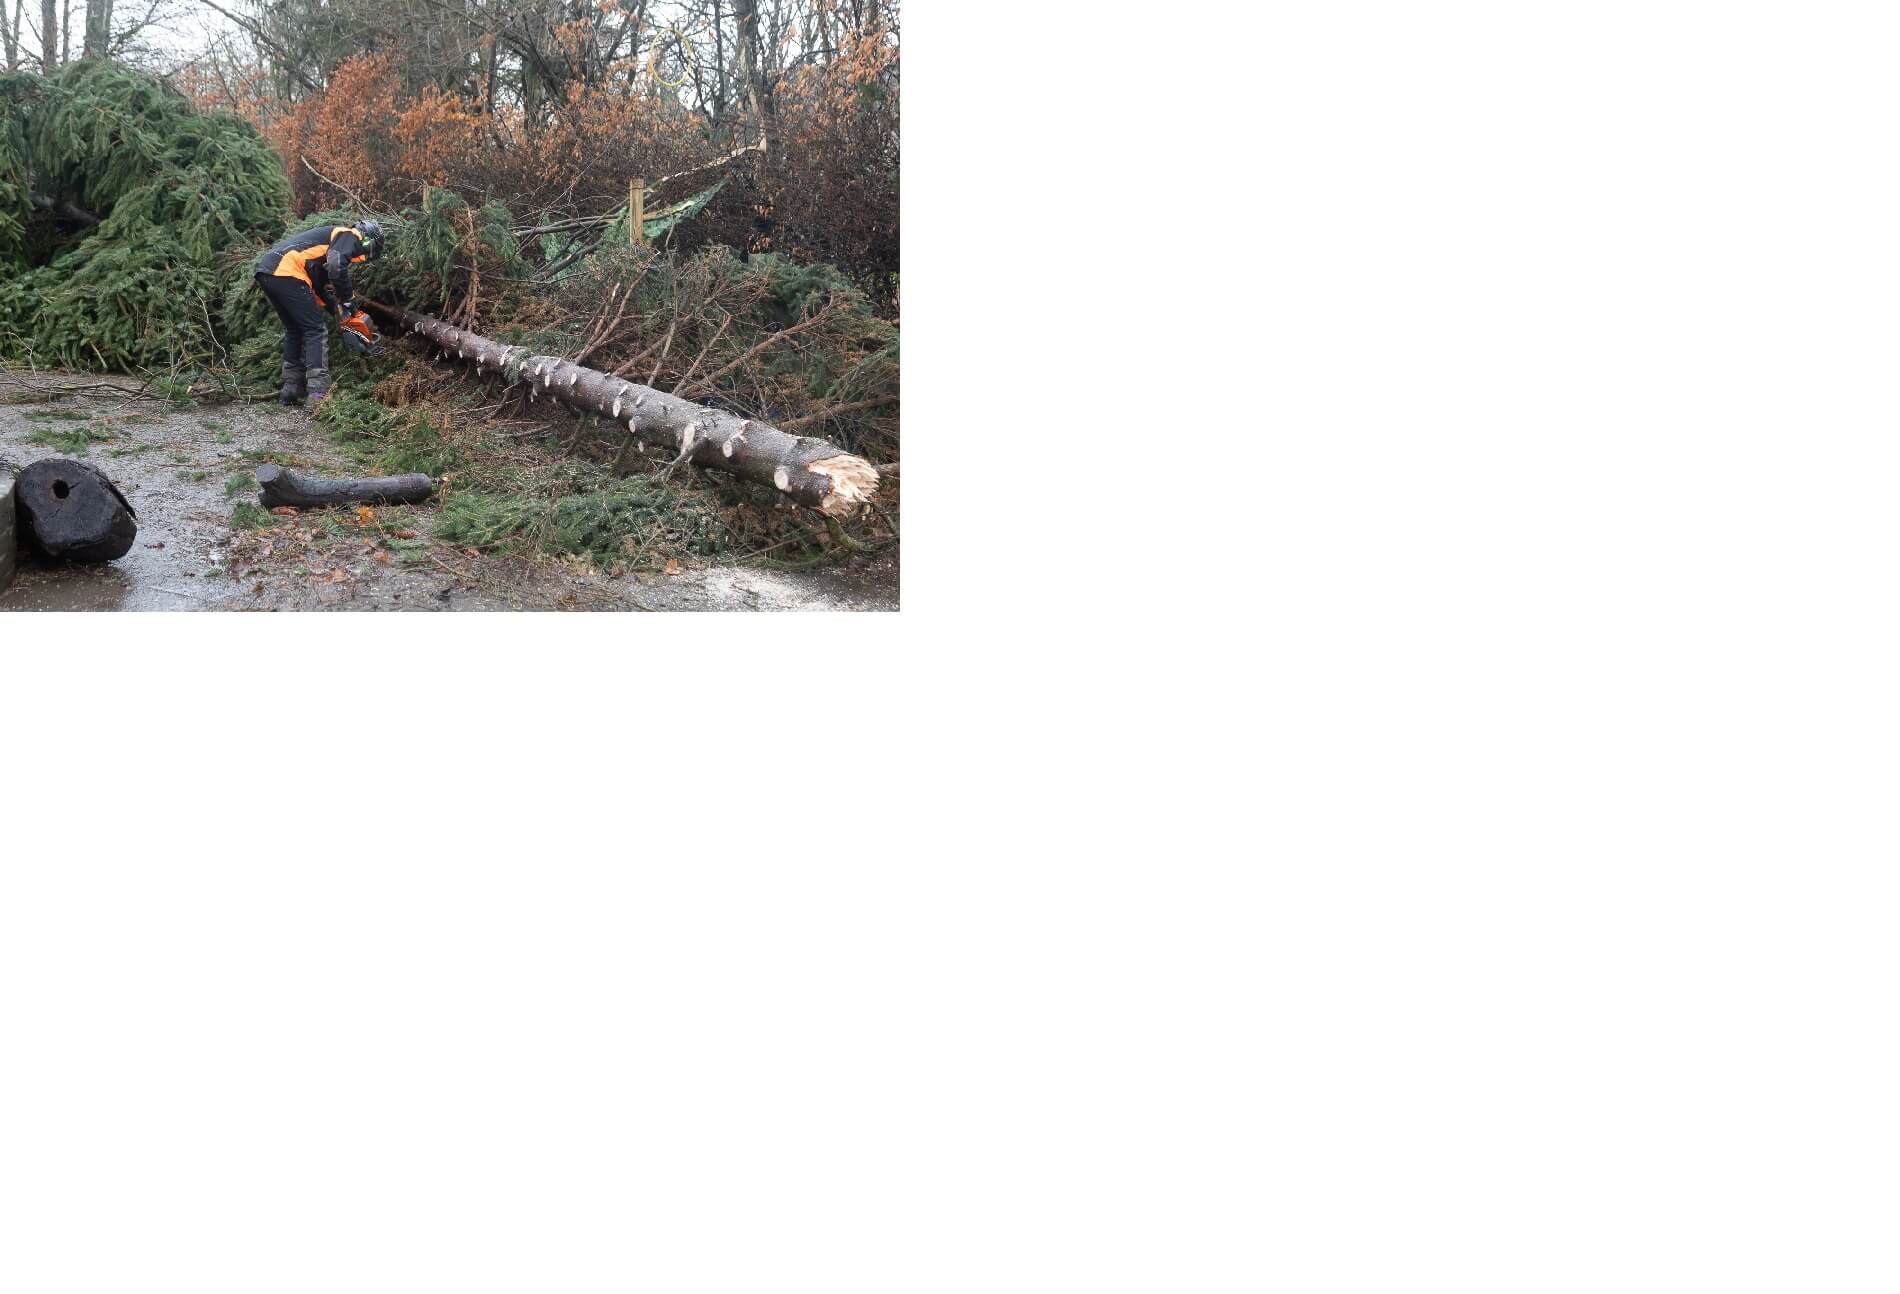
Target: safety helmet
[[372, 232]]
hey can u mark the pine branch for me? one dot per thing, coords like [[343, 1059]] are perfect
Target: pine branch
[[836, 410], [705, 383]]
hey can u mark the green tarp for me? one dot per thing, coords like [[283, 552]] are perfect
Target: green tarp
[[658, 223]]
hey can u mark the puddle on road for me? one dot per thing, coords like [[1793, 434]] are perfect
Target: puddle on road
[[167, 570]]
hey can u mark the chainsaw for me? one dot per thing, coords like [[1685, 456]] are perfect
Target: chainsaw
[[360, 335]]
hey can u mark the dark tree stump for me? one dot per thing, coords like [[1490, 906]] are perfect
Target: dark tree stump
[[283, 488], [68, 509], [7, 549]]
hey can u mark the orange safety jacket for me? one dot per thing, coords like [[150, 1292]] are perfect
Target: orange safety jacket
[[319, 257]]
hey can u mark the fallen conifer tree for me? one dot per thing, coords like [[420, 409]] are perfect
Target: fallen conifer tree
[[812, 472], [117, 200]]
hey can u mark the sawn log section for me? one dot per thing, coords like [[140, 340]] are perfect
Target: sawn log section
[[280, 487], [815, 473]]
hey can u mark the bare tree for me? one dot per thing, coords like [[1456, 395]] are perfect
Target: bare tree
[[10, 32], [127, 39], [719, 60], [49, 35], [752, 72], [98, 28]]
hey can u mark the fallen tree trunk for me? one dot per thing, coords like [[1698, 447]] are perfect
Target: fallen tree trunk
[[283, 488], [815, 473], [69, 509]]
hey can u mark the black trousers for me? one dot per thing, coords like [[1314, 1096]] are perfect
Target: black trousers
[[305, 334]]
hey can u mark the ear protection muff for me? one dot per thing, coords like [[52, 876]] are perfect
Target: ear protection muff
[[372, 234]]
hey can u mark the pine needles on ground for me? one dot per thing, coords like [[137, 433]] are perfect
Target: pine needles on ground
[[613, 525], [390, 441]]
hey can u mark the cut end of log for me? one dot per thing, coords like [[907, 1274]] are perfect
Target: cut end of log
[[853, 483], [70, 509]]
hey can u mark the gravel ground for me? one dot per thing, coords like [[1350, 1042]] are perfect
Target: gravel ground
[[172, 465]]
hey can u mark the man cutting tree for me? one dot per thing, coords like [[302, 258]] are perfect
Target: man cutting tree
[[306, 274]]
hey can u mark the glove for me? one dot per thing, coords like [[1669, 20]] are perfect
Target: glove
[[347, 309]]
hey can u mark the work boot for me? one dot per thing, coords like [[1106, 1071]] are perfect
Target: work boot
[[319, 386], [294, 388]]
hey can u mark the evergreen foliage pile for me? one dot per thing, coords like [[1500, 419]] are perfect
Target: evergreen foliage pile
[[172, 188]]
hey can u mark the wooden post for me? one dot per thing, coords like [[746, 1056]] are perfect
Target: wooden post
[[636, 212]]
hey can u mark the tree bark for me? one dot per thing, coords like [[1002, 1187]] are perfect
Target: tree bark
[[745, 15], [69, 509], [98, 27], [283, 488], [70, 211], [812, 472], [719, 63], [49, 35]]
